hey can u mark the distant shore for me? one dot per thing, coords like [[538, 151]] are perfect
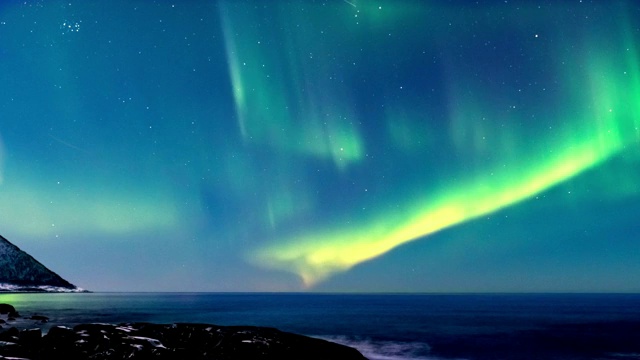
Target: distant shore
[[13, 288]]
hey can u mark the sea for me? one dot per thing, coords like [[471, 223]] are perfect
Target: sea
[[385, 326]]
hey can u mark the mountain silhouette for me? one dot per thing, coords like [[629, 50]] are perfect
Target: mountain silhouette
[[20, 272]]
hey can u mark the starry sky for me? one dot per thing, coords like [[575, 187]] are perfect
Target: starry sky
[[361, 145]]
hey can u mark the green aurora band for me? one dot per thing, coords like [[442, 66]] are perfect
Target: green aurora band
[[606, 127], [266, 115], [319, 255]]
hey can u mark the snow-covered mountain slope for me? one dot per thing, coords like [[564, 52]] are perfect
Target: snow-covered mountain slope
[[20, 272]]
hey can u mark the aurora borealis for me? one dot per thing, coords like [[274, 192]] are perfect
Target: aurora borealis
[[331, 146]]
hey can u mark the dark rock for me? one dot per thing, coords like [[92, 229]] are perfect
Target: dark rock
[[30, 337], [7, 309], [10, 349], [41, 318], [95, 328], [10, 335], [176, 341], [60, 333], [144, 341]]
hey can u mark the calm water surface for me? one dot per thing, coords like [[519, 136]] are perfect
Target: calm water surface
[[389, 326]]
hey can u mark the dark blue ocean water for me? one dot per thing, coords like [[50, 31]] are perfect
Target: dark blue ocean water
[[390, 326]]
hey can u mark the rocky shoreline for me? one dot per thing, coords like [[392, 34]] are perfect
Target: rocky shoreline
[[156, 341]]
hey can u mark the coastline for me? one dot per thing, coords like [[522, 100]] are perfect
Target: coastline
[[381, 326], [23, 337], [6, 288]]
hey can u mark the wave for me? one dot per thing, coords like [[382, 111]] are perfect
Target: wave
[[625, 355], [385, 350]]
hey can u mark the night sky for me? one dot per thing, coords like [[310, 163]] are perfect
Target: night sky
[[361, 145]]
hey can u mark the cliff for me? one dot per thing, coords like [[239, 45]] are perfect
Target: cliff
[[20, 272]]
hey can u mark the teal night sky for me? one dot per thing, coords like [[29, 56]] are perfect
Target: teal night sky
[[361, 145]]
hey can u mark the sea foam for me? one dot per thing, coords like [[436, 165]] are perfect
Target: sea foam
[[385, 350]]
